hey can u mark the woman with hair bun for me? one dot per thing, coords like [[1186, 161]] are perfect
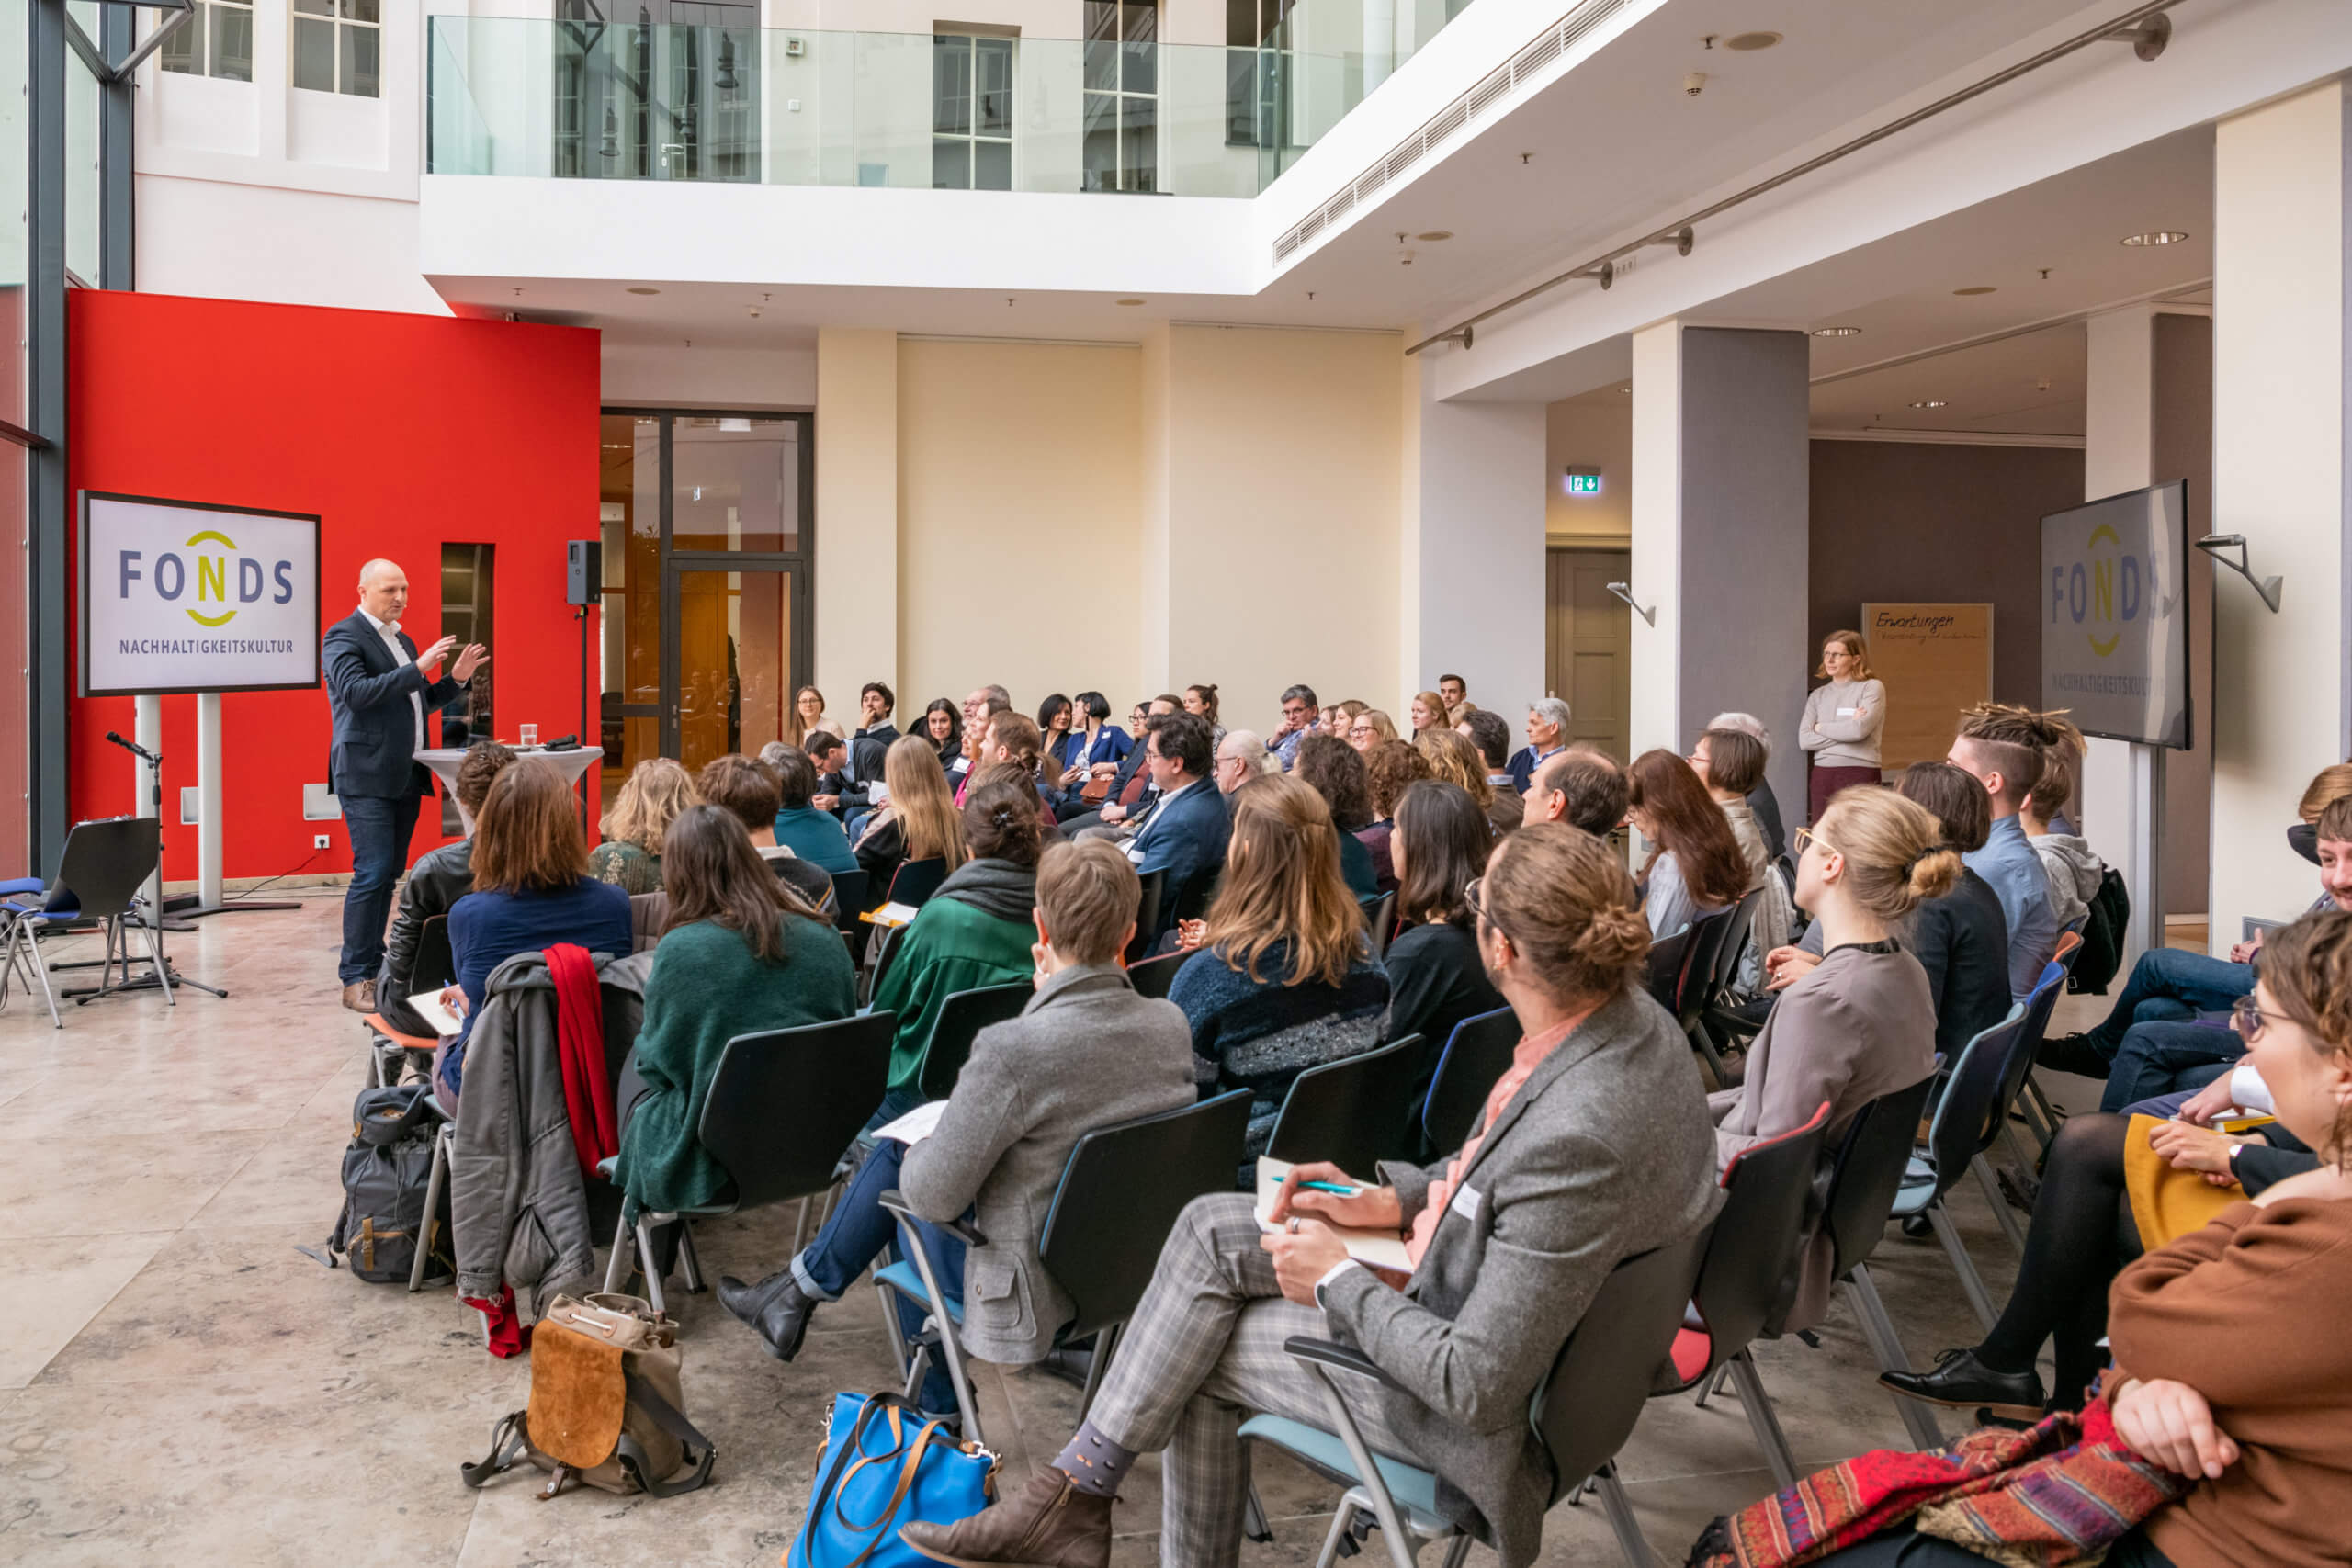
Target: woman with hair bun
[[1860, 1023], [1200, 700]]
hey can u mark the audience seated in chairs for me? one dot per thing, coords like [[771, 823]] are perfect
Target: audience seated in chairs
[[2003, 748], [741, 952], [1301, 712], [1012, 739], [736, 784], [2228, 1365], [1241, 757], [2067, 860], [1435, 978], [1093, 744], [1761, 800], [1490, 736], [438, 879], [1961, 940], [1547, 737], [1388, 767], [943, 726], [813, 834], [917, 822], [1369, 728], [1200, 703], [1183, 834], [1283, 979], [630, 857], [1087, 1052], [1730, 762], [2168, 1028], [1582, 787], [1695, 868], [1860, 1025], [531, 889], [1426, 712], [1335, 771], [976, 930], [1593, 1148], [1130, 789], [1450, 757]]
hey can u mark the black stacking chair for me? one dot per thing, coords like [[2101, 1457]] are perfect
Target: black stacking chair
[[961, 1018], [849, 900], [99, 874], [1148, 927], [1475, 1060], [1379, 921], [916, 880], [1350, 1112], [1154, 975]]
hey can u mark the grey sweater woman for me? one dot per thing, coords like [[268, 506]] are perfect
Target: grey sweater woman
[[1841, 724]]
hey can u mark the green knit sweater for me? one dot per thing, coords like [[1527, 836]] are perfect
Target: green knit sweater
[[707, 988], [950, 947]]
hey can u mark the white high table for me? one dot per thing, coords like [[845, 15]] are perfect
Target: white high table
[[444, 760]]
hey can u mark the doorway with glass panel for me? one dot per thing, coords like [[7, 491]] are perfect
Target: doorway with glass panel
[[706, 520]]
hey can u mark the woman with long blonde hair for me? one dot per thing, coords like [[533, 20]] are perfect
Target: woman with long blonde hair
[[1284, 978], [659, 789], [918, 821], [1426, 712], [1452, 758]]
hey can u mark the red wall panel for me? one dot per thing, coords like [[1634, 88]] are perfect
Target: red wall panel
[[401, 432]]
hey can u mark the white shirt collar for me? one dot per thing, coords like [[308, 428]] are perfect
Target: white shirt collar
[[388, 628]]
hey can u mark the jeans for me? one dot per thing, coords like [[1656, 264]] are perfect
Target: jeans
[[380, 827], [2169, 985], [2164, 1107], [2160, 1058], [859, 1228]]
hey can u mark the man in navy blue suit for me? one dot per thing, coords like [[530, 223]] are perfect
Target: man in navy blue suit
[[1186, 830], [380, 689]]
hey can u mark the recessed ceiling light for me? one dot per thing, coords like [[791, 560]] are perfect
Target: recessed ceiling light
[[1837, 331], [1743, 43], [1127, 302], [2157, 237], [1930, 403], [641, 289], [1434, 235], [1980, 289]]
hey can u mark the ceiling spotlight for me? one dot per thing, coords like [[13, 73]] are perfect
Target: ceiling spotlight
[[1837, 331], [1434, 235], [1126, 302], [1980, 289], [640, 288], [2156, 237], [1745, 43], [1930, 403]]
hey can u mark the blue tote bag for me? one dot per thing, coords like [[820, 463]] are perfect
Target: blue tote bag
[[885, 1465]]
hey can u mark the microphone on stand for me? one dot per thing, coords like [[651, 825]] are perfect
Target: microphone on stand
[[133, 747]]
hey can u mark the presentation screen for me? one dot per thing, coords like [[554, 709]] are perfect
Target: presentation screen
[[2115, 616], [182, 596]]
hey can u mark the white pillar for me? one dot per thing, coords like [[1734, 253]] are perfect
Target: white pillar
[[2280, 201], [1721, 528], [209, 782], [148, 730], [1379, 43], [2122, 804], [857, 498]]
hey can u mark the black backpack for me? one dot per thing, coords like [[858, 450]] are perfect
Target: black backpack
[[386, 1171], [2102, 954]]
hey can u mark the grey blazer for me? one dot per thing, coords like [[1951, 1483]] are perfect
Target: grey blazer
[[1085, 1052], [1603, 1153]]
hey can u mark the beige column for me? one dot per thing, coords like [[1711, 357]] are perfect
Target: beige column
[[856, 598]]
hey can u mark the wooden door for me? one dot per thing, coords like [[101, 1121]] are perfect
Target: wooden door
[[1587, 644]]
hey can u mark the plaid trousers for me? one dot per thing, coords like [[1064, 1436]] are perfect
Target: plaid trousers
[[1203, 1352]]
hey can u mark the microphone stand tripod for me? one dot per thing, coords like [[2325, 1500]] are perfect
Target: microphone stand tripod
[[163, 978]]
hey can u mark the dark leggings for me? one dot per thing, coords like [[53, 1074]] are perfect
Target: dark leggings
[[2081, 1236]]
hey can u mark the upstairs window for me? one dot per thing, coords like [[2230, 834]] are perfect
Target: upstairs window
[[1122, 97], [218, 40], [339, 47], [971, 112]]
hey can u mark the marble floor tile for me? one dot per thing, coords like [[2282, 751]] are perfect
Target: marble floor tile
[[103, 1186], [56, 1285]]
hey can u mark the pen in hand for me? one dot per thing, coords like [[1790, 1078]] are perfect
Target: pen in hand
[[1331, 1186]]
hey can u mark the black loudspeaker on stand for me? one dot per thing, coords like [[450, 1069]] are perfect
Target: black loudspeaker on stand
[[583, 586]]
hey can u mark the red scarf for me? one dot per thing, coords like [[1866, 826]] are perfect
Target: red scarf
[[580, 1044]]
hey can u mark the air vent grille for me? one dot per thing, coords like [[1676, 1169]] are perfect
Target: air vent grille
[[1555, 40]]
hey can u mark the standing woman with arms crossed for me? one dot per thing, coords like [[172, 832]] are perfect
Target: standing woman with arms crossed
[[1842, 721]]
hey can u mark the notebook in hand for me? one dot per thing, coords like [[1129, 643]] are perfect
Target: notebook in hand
[[1380, 1250]]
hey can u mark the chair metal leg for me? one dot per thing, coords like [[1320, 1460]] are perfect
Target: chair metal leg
[[1342, 1517], [800, 1228], [1887, 1347], [1992, 1186], [1763, 1420], [154, 959], [1706, 1048], [688, 1264], [645, 1261], [613, 1273], [1620, 1509], [2041, 1112], [951, 1353], [1712, 1385], [1253, 1517], [432, 1183], [1457, 1551], [1371, 1486], [1971, 1284], [1105, 1343]]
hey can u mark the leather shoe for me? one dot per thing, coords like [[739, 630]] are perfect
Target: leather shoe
[[776, 1306], [1048, 1524], [2075, 1054], [360, 996], [1962, 1382]]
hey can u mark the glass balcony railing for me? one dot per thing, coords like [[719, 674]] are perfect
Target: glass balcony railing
[[963, 111]]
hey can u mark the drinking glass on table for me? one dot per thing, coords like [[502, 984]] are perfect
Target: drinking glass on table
[[530, 734]]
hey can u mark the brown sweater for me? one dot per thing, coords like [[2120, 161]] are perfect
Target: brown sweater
[[2249, 1312]]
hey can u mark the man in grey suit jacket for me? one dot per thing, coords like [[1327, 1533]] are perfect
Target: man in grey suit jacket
[[1087, 1052], [1596, 1148]]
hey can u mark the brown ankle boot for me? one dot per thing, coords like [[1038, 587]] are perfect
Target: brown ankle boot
[[1048, 1524]]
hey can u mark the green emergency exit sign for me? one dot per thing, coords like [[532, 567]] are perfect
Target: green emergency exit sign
[[1583, 483]]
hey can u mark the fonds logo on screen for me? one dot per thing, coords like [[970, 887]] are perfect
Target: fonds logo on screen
[[210, 581], [2105, 591]]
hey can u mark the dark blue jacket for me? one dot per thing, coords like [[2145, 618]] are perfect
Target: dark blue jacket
[[374, 749], [486, 928], [1186, 836]]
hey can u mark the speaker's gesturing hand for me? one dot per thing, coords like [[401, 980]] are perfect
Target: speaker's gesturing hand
[[472, 659], [435, 655]]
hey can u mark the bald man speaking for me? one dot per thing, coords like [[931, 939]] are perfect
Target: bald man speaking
[[379, 688]]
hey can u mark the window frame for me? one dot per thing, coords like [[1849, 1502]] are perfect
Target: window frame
[[339, 23], [967, 42], [198, 43]]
